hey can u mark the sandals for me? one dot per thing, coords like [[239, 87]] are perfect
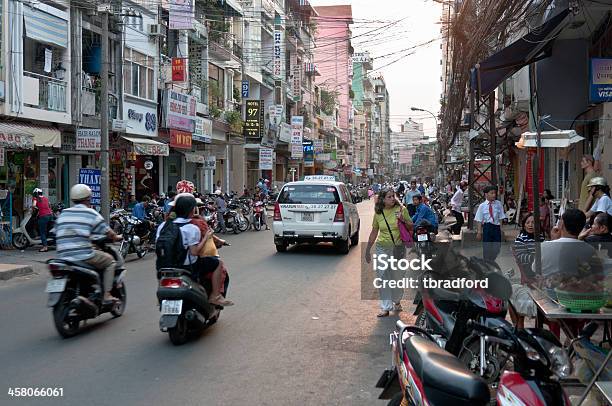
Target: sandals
[[44, 249], [397, 307], [221, 301], [383, 314]]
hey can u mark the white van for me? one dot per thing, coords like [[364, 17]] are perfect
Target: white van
[[318, 209]]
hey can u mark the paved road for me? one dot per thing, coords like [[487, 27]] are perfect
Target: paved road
[[299, 334]]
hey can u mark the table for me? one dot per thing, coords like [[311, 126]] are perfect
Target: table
[[606, 389], [547, 309]]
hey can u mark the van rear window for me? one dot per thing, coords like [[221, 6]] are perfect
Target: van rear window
[[309, 194]]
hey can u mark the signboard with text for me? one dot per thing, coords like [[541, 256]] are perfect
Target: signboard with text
[[179, 69], [180, 139], [277, 69], [601, 80], [180, 111], [285, 133], [245, 89], [91, 178], [297, 129], [203, 130], [88, 139], [253, 125], [265, 159], [297, 151]]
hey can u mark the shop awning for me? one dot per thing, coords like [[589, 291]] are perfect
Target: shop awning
[[550, 139], [44, 27], [530, 48], [26, 136], [147, 146]]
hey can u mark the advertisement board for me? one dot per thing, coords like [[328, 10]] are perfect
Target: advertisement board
[[91, 178], [277, 68], [266, 158], [203, 130], [601, 80], [285, 133], [179, 69], [88, 139], [179, 111], [253, 123]]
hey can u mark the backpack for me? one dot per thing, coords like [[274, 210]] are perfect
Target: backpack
[[169, 247]]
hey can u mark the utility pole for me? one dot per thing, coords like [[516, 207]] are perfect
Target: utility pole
[[535, 111], [104, 179]]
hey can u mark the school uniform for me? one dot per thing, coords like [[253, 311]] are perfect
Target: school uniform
[[490, 214]]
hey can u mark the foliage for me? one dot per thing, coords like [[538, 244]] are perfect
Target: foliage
[[214, 111], [351, 94], [329, 99], [237, 94], [234, 119]]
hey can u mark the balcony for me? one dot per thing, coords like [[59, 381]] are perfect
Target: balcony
[[44, 92], [237, 50], [90, 105]]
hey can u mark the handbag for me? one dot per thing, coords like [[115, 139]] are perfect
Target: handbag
[[399, 251], [405, 234]]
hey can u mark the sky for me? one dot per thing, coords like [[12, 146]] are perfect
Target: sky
[[386, 27]]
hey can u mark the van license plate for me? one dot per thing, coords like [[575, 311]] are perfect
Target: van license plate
[[172, 307], [307, 216]]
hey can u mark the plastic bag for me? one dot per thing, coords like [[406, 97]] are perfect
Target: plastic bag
[[522, 301]]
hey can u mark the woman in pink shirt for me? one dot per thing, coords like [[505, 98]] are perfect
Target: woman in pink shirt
[[40, 207]]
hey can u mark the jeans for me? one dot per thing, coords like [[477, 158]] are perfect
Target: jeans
[[221, 221], [491, 241], [43, 222], [456, 228]]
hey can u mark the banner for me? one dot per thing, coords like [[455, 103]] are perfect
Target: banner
[[285, 133], [179, 69], [91, 178], [297, 129], [318, 146], [253, 125], [180, 139], [88, 139], [277, 69], [203, 130], [297, 151], [265, 159]]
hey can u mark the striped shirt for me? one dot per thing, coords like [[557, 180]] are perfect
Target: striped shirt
[[74, 229]]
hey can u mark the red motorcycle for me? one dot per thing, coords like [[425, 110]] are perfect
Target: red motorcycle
[[259, 219]]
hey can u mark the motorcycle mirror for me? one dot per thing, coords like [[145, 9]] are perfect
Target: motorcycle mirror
[[499, 286]]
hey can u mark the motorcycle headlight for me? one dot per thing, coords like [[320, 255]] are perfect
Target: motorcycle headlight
[[530, 352], [560, 362]]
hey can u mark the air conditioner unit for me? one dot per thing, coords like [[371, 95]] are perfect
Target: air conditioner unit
[[155, 30]]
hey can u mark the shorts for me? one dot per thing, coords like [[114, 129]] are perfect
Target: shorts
[[206, 264]]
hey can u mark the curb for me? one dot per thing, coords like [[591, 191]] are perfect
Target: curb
[[9, 271]]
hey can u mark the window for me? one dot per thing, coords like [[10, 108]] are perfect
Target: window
[[216, 79], [309, 194], [138, 74]]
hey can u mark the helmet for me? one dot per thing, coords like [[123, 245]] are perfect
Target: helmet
[[37, 192], [80, 192], [598, 181], [218, 192]]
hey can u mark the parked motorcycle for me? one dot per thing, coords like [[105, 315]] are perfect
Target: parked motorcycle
[[259, 215], [76, 291], [28, 234], [437, 207], [136, 235], [422, 373]]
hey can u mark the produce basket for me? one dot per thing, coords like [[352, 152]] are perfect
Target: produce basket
[[578, 302]]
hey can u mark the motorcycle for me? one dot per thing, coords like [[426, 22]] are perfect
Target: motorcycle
[[135, 236], [445, 315], [424, 239], [76, 294], [436, 206], [258, 215], [425, 374], [234, 219], [27, 233]]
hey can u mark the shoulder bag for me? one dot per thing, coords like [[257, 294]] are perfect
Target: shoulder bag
[[399, 251]]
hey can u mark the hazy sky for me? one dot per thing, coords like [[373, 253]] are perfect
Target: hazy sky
[[385, 28]]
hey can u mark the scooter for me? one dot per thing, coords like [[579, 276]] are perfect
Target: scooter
[[76, 291], [27, 233], [422, 373]]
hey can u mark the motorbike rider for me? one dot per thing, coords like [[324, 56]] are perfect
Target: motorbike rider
[[42, 209], [424, 212], [410, 193], [260, 196], [75, 228], [140, 209]]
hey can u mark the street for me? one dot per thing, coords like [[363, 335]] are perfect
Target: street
[[298, 334]]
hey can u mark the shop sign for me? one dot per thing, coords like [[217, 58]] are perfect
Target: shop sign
[[253, 124], [297, 151], [180, 110], [179, 69], [151, 149], [139, 119], [277, 69], [276, 114], [91, 178], [181, 14], [601, 79], [203, 130], [269, 140], [360, 57], [195, 158], [318, 146], [119, 125], [297, 129], [245, 89], [180, 139], [88, 139], [266, 158], [323, 157], [1, 156], [16, 141], [148, 165], [68, 143], [285, 133], [297, 82], [210, 162]]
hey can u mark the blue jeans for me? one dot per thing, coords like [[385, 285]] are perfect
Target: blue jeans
[[43, 222], [491, 241]]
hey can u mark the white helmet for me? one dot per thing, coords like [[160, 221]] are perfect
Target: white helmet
[[218, 192], [80, 192]]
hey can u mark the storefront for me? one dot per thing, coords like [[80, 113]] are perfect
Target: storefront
[[141, 171]]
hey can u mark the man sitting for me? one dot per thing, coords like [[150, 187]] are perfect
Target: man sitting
[[423, 212], [599, 234], [140, 209]]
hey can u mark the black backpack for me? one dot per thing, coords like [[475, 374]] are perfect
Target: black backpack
[[169, 247]]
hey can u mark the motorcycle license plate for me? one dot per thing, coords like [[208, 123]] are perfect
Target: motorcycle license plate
[[307, 216], [56, 285], [172, 307], [421, 237]]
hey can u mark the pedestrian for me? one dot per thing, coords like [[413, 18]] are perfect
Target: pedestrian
[[456, 203], [600, 195], [585, 197], [221, 207], [133, 202], [42, 209], [386, 235], [489, 216], [218, 185], [545, 217], [169, 199], [410, 193], [598, 235]]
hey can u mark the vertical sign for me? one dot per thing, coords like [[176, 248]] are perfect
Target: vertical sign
[[265, 159], [278, 55], [91, 178], [297, 129], [1, 156], [245, 89], [297, 81], [317, 146], [179, 69], [252, 127], [181, 14]]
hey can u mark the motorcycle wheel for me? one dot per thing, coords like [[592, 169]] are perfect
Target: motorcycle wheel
[[67, 325], [179, 334], [470, 356], [125, 249], [217, 228], [141, 252], [257, 224], [20, 241], [243, 223], [119, 293]]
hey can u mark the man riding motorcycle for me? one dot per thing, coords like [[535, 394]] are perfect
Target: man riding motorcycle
[[424, 212], [75, 228]]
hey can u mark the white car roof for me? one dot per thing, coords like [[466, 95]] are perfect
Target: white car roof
[[314, 182]]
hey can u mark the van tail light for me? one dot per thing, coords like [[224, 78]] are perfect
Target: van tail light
[[277, 212], [339, 217]]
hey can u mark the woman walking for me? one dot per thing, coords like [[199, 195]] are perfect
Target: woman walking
[[41, 208], [386, 234]]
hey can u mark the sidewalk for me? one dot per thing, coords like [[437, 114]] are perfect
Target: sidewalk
[[15, 263]]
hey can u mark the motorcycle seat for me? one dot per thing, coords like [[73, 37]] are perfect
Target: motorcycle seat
[[443, 375], [445, 294], [80, 264]]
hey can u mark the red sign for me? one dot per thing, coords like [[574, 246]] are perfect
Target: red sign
[[180, 139], [179, 69]]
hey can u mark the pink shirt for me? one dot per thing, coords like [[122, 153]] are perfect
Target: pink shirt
[[43, 206]]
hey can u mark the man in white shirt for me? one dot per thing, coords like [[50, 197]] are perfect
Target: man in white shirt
[[456, 202], [600, 191], [489, 216], [568, 254]]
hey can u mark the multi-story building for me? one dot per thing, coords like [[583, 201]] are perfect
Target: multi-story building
[[404, 145], [381, 161]]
